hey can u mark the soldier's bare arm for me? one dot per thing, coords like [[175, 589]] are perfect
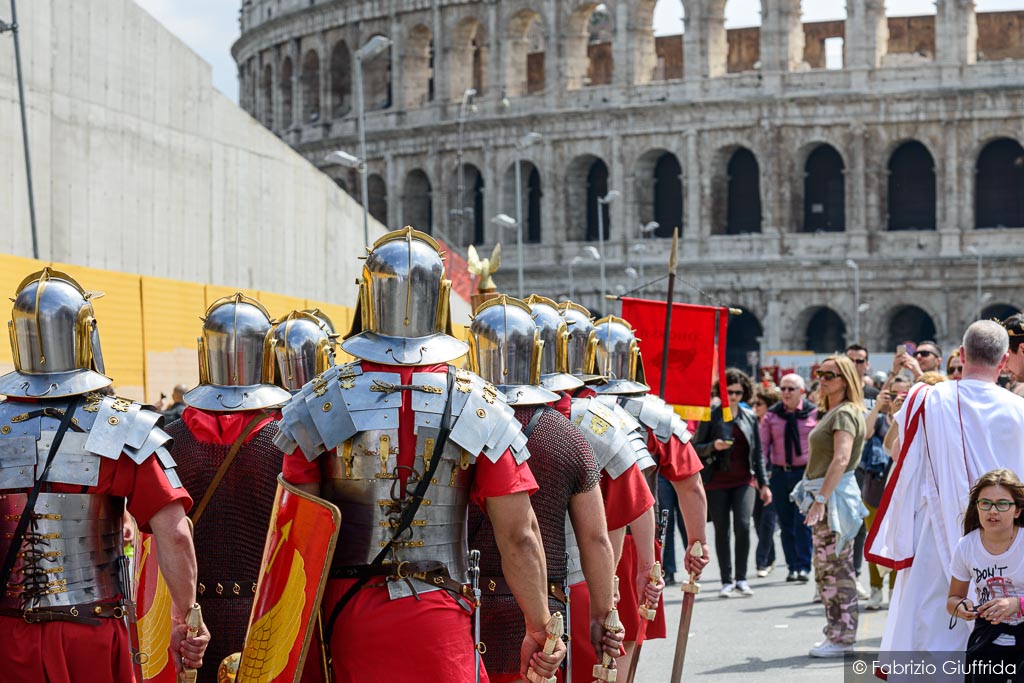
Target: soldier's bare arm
[[523, 565], [643, 530], [618, 538], [312, 489], [177, 560], [693, 503], [586, 511]]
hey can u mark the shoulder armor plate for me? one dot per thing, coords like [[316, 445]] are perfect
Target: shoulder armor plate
[[604, 432], [658, 416]]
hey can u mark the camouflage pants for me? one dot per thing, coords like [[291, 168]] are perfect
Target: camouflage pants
[[836, 583]]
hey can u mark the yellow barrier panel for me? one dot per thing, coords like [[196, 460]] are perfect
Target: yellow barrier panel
[[171, 323]]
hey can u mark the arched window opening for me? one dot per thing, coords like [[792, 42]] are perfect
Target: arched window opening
[[911, 33], [742, 338], [534, 194], [341, 80], [419, 68], [910, 324], [744, 193], [824, 34], [735, 46], [668, 195], [310, 87], [999, 311], [826, 332], [417, 202], [531, 198], [377, 81], [588, 46], [267, 86], [999, 185], [285, 85], [911, 188], [468, 62], [599, 49], [467, 207], [377, 198], [824, 191], [597, 187], [660, 59], [525, 55]]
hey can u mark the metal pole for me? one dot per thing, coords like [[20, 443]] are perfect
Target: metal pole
[[13, 27], [459, 173], [600, 242], [362, 147], [572, 284], [519, 217], [856, 304], [673, 262], [978, 288]]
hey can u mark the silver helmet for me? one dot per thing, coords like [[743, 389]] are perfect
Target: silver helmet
[[505, 349], [301, 344], [236, 364], [54, 339], [581, 342], [402, 317], [554, 332], [618, 357]]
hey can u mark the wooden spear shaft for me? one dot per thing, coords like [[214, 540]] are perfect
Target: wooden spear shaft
[[673, 263]]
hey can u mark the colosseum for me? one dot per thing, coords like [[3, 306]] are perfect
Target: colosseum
[[833, 180]]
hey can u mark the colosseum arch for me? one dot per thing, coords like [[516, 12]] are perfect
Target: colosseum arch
[[377, 197], [736, 188], [525, 48], [267, 95], [377, 80], [310, 81], [999, 311], [590, 28], [586, 180], [468, 209], [824, 190], [999, 185], [340, 80], [823, 32], [911, 196], [284, 84], [659, 191], [735, 50], [418, 68], [825, 331], [418, 202], [743, 335], [665, 46], [532, 195], [909, 323], [467, 58]]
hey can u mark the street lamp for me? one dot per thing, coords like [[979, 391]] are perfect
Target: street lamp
[[371, 49], [503, 220], [527, 140], [603, 201], [851, 264], [342, 158], [467, 105], [648, 230], [575, 261], [974, 250]]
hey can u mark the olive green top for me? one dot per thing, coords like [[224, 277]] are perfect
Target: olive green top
[[843, 418]]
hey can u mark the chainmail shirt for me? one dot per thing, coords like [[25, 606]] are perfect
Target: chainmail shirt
[[563, 464], [230, 535]]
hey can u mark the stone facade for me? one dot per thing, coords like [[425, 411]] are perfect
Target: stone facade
[[776, 169]]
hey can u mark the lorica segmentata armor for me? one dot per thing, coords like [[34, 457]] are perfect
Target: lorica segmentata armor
[[657, 416], [351, 417]]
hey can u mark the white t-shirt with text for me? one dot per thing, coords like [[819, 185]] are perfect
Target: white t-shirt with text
[[990, 576]]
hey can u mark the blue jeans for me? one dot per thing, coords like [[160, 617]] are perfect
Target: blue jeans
[[667, 500], [796, 536]]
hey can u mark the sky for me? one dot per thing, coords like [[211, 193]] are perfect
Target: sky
[[211, 26]]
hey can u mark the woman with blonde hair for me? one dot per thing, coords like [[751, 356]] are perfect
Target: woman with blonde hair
[[829, 497]]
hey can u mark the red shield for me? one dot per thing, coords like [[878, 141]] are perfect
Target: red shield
[[153, 614]]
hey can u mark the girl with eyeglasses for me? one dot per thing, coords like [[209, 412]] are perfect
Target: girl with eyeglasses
[[990, 560], [829, 497]]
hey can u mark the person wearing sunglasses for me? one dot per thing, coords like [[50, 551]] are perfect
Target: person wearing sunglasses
[[731, 452], [952, 433], [954, 366], [830, 498], [926, 358]]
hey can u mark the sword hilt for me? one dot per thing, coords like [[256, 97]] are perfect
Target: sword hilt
[[555, 629], [193, 624], [693, 587], [646, 611]]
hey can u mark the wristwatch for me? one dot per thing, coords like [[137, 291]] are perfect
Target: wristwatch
[[820, 499]]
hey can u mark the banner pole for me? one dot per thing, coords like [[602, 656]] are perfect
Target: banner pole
[[673, 262]]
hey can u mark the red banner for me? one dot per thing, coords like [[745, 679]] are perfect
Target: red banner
[[696, 353]]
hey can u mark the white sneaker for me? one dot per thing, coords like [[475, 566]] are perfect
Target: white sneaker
[[828, 649], [728, 590], [875, 601], [765, 571], [862, 592], [744, 589]]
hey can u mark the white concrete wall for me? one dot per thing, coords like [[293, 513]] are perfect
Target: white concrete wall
[[140, 165]]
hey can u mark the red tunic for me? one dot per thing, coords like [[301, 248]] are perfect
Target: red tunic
[[64, 652], [222, 428], [414, 641]]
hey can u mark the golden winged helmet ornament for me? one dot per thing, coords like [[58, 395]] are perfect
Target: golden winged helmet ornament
[[484, 268]]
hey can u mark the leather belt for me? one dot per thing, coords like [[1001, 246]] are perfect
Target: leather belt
[[79, 614], [430, 572], [788, 468], [225, 589], [496, 585]]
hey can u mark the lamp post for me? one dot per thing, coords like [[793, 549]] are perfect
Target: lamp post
[[371, 49], [503, 220], [641, 247], [342, 158], [467, 104], [575, 261], [851, 264], [974, 250], [603, 201]]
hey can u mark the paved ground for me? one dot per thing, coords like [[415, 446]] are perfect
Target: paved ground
[[764, 637]]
